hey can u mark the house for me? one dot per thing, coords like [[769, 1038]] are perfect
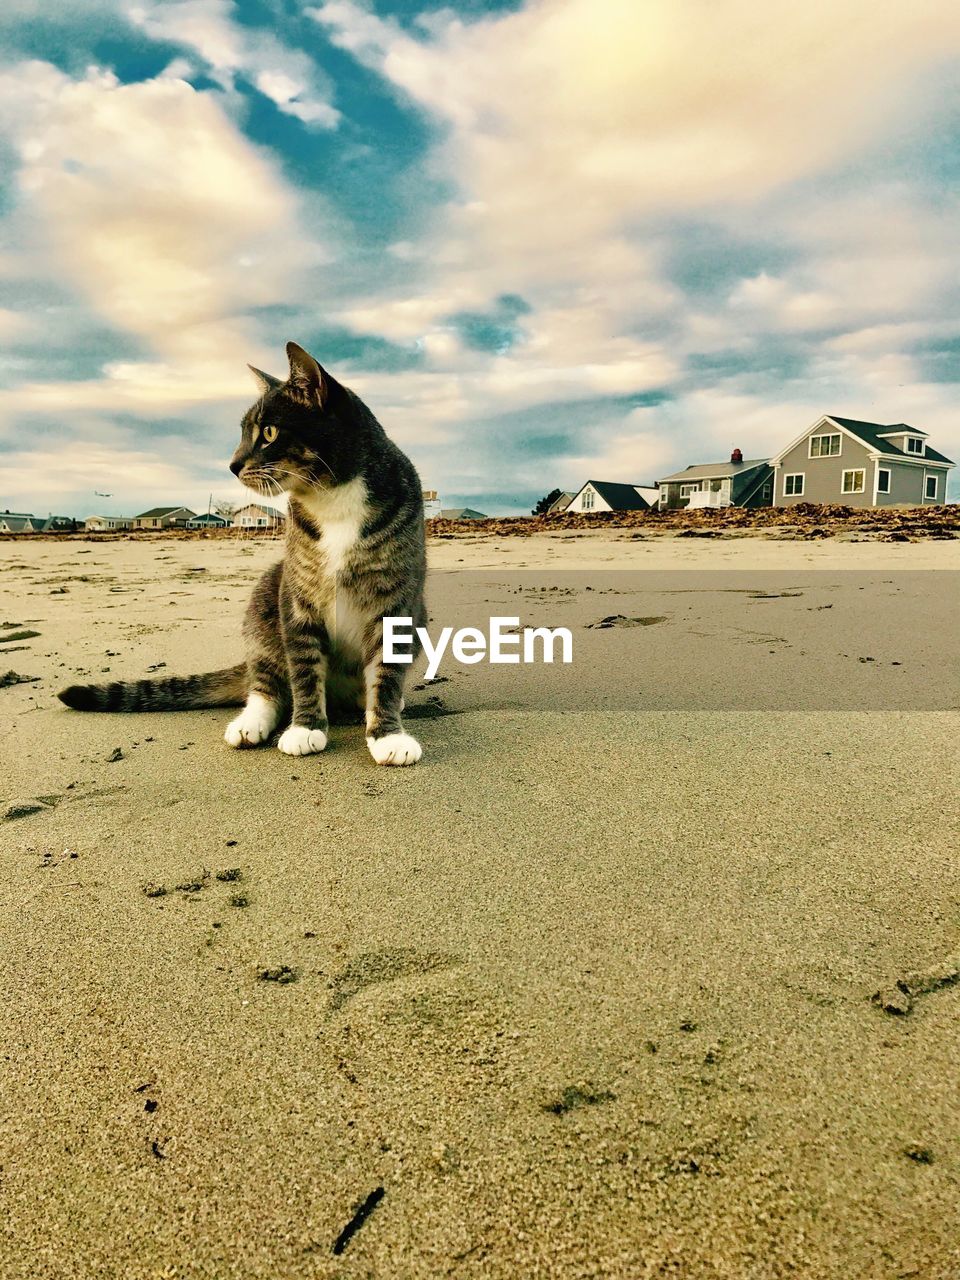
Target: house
[[256, 516], [18, 522], [107, 524], [560, 505], [209, 520], [606, 495], [431, 504], [164, 518], [860, 464], [59, 524], [462, 513], [737, 483]]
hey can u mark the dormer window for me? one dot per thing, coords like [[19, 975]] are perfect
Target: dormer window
[[914, 444], [825, 446]]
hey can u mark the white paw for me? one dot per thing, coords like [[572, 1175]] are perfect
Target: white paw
[[395, 748], [254, 724], [298, 741]]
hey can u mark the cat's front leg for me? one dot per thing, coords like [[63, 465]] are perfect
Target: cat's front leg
[[386, 738], [307, 646]]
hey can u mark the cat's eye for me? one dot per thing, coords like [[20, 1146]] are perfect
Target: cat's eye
[[270, 434]]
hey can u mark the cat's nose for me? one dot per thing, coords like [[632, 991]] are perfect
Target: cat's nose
[[237, 462]]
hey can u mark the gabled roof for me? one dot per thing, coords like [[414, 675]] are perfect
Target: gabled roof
[[259, 506], [462, 513], [155, 512], [619, 497], [873, 435], [16, 524], [714, 470]]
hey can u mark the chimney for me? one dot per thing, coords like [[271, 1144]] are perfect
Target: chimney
[[736, 456]]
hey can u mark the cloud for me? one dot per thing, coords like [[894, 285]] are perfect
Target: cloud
[[147, 203], [290, 78], [571, 117]]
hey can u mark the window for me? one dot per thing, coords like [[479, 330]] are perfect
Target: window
[[930, 488], [793, 485], [825, 446], [586, 502], [914, 444], [766, 493], [853, 481], [687, 489], [883, 480]]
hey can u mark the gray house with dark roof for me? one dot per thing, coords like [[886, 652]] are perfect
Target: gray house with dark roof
[[737, 483], [607, 495], [860, 464]]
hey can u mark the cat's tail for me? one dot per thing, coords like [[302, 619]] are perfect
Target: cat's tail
[[165, 693]]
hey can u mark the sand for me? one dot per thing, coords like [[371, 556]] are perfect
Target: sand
[[586, 993]]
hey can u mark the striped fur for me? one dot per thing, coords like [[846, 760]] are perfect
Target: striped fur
[[355, 554], [168, 693]]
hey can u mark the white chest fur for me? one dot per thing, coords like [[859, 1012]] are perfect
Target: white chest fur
[[340, 515]]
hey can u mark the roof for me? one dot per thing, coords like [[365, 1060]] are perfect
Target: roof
[[155, 512], [715, 470], [461, 513], [619, 497], [16, 524], [258, 506], [208, 515], [871, 434]]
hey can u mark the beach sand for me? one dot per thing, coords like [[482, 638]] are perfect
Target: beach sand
[[585, 993]]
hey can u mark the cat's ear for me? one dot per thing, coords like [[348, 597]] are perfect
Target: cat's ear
[[306, 377], [265, 381]]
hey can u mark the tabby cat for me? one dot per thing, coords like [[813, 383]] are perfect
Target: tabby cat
[[354, 555]]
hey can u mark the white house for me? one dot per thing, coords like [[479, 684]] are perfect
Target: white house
[[431, 504], [606, 495], [107, 524]]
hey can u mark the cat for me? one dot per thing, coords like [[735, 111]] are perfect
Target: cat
[[354, 554]]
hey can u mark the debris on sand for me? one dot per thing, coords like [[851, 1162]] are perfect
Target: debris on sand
[[898, 999], [115, 755], [153, 890], [361, 1214], [577, 1095], [23, 811], [239, 900], [919, 1155], [620, 620], [803, 520], [14, 677], [229, 874], [18, 635], [282, 973]]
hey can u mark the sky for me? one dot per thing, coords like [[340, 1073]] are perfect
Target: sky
[[544, 241]]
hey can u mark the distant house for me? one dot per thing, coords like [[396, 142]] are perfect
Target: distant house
[[607, 495], [59, 524], [164, 518], [257, 516], [560, 504], [860, 464], [18, 522], [209, 520], [107, 524], [737, 483], [431, 504], [462, 513]]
